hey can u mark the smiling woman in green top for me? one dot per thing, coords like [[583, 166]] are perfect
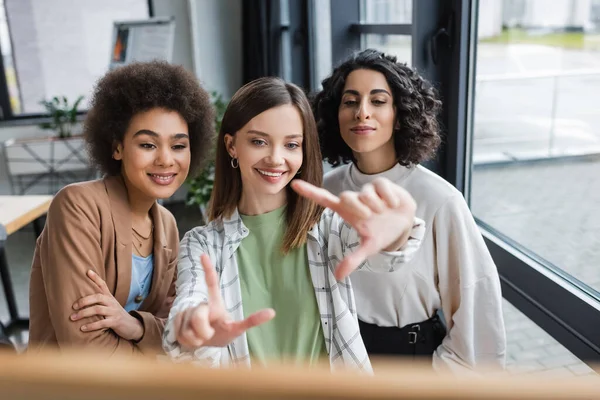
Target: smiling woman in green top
[[276, 251], [269, 278]]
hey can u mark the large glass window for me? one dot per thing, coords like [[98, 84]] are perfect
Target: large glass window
[[59, 47], [534, 170], [536, 139], [388, 12], [531, 350], [400, 46]]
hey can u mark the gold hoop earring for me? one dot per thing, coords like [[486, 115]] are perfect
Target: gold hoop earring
[[235, 163]]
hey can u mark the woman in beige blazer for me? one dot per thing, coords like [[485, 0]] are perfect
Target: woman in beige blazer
[[104, 267]]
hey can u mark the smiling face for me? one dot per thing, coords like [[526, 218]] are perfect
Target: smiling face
[[366, 113], [269, 152], [154, 154]]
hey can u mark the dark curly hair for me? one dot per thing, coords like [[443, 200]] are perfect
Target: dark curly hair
[[142, 86], [416, 103]]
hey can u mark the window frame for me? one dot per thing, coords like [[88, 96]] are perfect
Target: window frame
[[347, 29]]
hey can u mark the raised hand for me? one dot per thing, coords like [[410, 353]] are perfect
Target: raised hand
[[209, 324], [382, 213]]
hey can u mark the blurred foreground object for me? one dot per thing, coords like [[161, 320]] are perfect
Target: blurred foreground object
[[77, 375]]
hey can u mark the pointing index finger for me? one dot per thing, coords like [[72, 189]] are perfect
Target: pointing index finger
[[212, 280], [320, 196]]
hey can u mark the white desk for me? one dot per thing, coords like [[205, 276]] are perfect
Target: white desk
[[15, 213]]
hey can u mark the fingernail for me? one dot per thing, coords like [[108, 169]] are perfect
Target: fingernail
[[75, 306], [91, 272], [73, 316], [84, 328]]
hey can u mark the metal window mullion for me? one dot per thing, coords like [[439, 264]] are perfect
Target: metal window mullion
[[150, 8], [344, 14], [382, 29], [285, 50], [6, 112]]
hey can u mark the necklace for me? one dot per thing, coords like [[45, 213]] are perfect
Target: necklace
[[142, 236], [137, 251], [140, 239]]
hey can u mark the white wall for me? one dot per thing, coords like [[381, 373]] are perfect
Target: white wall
[[581, 14], [182, 46], [208, 40], [61, 48], [489, 19], [557, 13], [217, 43]]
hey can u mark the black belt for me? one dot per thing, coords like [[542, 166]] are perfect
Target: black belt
[[419, 339]]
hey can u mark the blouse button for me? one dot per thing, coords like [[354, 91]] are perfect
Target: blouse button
[[138, 298]]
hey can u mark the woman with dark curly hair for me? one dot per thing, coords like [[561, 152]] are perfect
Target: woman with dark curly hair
[[103, 272], [379, 117]]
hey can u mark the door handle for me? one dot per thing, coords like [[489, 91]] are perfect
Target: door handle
[[444, 32]]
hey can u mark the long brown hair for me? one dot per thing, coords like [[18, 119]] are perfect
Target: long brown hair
[[250, 100]]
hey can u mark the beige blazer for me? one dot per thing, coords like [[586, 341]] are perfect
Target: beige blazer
[[89, 227]]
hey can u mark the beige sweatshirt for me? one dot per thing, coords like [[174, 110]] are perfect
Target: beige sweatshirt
[[453, 271]]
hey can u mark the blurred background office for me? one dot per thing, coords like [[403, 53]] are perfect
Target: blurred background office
[[522, 126]]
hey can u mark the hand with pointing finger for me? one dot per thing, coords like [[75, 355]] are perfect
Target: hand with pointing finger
[[382, 213], [209, 324]]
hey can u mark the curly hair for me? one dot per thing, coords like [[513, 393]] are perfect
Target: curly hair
[[415, 100], [139, 87]]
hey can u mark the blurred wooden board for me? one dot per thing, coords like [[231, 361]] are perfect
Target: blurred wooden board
[[79, 375]]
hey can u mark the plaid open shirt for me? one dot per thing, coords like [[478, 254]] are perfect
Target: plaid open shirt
[[328, 243]]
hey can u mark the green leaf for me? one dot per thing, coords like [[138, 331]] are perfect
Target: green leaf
[[63, 114]]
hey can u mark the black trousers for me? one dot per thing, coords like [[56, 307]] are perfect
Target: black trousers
[[417, 340]]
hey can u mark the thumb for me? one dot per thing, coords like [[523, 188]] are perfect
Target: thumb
[[352, 261], [258, 318]]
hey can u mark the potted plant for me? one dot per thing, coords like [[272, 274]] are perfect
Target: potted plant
[[200, 186], [56, 159], [63, 115]]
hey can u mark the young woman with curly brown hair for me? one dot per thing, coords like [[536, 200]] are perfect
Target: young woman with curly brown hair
[[379, 117], [103, 272]]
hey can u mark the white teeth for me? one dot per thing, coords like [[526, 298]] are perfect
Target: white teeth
[[162, 178], [275, 174]]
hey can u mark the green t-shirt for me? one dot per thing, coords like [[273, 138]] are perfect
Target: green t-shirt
[[270, 279]]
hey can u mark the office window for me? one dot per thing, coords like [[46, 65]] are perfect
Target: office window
[[399, 46], [386, 12], [56, 48], [536, 139]]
